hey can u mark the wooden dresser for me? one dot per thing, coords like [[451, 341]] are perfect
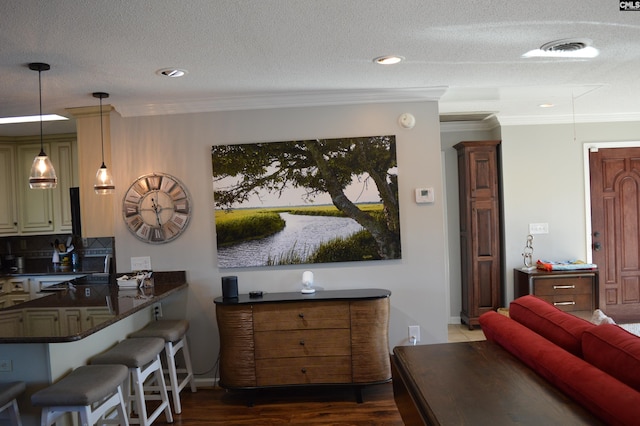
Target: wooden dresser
[[571, 291], [292, 339]]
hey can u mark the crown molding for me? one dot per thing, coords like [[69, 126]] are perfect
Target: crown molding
[[280, 100], [567, 119]]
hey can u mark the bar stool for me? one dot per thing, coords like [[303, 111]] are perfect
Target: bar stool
[[174, 333], [8, 394], [93, 391], [142, 357]]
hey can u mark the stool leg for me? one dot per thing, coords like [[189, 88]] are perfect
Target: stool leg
[[138, 396], [187, 362], [14, 413], [173, 376], [163, 392], [122, 409]]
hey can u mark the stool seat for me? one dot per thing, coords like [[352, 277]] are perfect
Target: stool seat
[[169, 330], [131, 352], [10, 391], [83, 386], [92, 391]]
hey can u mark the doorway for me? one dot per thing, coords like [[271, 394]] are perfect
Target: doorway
[[613, 220]]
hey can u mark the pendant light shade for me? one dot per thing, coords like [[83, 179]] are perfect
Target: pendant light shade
[[42, 174], [104, 181]]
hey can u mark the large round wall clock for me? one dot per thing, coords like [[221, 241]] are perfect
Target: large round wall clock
[[156, 208]]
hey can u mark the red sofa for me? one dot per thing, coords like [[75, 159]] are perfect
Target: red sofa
[[596, 365]]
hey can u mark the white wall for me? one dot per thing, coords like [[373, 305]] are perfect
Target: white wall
[[180, 145], [543, 181]]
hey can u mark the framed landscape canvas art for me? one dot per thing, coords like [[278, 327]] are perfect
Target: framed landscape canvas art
[[306, 201]]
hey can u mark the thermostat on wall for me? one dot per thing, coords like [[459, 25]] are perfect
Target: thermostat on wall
[[424, 195]]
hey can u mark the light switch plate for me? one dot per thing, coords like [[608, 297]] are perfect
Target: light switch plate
[[538, 228], [142, 263]]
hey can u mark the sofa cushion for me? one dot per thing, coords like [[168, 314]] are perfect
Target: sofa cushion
[[562, 328], [615, 351], [611, 400]]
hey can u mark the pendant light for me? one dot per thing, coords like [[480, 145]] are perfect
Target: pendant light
[[42, 175], [104, 181]]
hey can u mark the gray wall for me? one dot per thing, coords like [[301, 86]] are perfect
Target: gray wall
[[180, 145]]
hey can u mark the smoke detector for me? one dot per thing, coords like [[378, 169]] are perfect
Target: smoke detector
[[565, 48]]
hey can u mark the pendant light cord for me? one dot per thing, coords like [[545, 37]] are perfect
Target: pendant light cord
[[101, 133], [40, 95]]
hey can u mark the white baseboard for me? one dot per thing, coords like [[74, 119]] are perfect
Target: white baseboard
[[455, 320]]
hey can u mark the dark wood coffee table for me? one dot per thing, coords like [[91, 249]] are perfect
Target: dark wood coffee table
[[476, 383]]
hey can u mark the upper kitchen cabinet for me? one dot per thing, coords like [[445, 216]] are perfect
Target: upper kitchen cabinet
[[8, 196], [36, 211]]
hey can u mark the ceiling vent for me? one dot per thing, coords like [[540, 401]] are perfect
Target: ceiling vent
[[566, 45]]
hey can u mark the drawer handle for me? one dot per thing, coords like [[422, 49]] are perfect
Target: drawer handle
[[301, 315], [564, 303], [301, 342], [555, 287], [304, 371]]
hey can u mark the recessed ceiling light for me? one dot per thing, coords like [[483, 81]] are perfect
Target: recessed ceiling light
[[547, 105], [31, 118], [388, 59], [565, 48], [172, 72]]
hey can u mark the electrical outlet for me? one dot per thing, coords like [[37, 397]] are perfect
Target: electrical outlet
[[5, 365], [140, 263], [414, 333], [157, 310]]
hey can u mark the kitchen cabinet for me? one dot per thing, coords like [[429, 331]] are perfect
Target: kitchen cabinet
[[11, 323], [29, 211], [288, 339], [8, 196], [42, 322]]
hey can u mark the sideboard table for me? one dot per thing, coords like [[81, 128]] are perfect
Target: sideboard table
[[332, 337]]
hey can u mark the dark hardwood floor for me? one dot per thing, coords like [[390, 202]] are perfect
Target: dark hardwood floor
[[300, 406]]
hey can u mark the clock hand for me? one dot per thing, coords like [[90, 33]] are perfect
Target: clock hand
[[156, 210]]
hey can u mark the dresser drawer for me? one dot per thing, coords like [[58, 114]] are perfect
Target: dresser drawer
[[300, 316], [300, 343], [571, 302], [563, 286], [308, 370]]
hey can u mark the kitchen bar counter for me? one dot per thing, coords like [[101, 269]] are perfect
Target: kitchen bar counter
[[65, 329], [71, 312]]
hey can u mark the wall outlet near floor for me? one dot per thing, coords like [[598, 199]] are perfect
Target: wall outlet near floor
[[414, 334], [538, 228], [142, 263], [5, 365]]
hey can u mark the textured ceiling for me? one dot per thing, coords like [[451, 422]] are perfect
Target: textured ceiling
[[270, 53]]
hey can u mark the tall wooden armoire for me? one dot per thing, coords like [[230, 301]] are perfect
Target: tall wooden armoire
[[480, 228]]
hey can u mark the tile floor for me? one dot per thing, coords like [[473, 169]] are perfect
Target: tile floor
[[461, 333]]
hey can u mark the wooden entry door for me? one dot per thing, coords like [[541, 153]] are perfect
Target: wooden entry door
[[615, 226]]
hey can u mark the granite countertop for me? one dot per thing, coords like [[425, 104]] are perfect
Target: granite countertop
[[91, 306]]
